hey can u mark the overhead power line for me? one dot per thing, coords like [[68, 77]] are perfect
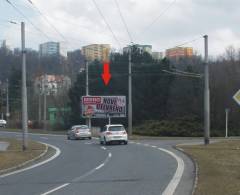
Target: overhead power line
[[184, 43], [23, 15], [187, 73], [108, 25], [191, 41], [160, 15], [182, 74], [47, 20], [123, 21]]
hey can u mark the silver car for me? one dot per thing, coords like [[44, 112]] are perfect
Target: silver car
[[3, 123], [79, 132]]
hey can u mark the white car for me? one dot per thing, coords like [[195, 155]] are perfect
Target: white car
[[79, 132], [113, 133], [3, 123]]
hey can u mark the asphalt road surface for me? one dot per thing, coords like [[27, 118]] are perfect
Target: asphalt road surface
[[86, 168]]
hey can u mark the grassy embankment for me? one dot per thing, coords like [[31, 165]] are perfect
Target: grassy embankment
[[14, 155], [219, 167]]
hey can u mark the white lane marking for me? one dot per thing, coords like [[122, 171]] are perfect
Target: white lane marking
[[55, 189], [170, 189], [138, 143], [58, 152], [154, 146], [146, 144], [87, 143], [43, 137], [103, 148], [100, 166], [81, 177]]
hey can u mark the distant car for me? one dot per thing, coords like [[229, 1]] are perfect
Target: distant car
[[3, 123], [79, 132], [113, 133]]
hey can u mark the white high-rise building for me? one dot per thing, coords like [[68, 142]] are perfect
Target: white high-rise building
[[157, 55], [49, 49], [140, 48]]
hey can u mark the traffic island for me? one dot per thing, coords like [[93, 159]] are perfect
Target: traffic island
[[218, 167], [14, 157]]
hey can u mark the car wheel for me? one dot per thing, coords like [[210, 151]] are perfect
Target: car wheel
[[125, 143], [90, 138]]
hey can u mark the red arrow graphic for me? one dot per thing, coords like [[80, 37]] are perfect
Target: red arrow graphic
[[106, 76]]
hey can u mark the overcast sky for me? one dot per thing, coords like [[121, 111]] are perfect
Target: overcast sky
[[161, 23]]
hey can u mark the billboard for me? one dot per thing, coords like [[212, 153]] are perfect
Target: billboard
[[103, 106]]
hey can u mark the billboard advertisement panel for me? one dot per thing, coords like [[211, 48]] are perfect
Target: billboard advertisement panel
[[103, 106]]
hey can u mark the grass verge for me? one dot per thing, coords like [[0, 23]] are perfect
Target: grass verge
[[218, 167], [14, 154]]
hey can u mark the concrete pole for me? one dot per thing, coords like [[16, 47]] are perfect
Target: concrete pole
[[7, 106], [24, 91], [45, 102], [109, 119], [206, 94], [88, 120], [87, 85], [130, 90], [227, 112], [39, 107]]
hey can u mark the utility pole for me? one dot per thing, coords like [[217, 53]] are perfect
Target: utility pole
[[7, 106], [206, 94], [45, 102], [39, 106], [24, 91], [130, 91], [227, 112], [88, 120]]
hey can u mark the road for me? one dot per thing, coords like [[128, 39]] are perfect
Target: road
[[86, 168]]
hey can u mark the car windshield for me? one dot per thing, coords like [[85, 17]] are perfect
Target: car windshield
[[116, 128], [80, 127]]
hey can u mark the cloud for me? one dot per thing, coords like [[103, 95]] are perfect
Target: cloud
[[81, 24]]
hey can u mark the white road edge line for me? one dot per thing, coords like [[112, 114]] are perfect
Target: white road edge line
[[170, 189], [58, 152], [153, 146], [55, 189], [43, 137], [41, 134], [100, 166]]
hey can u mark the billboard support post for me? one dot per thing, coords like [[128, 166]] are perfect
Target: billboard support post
[[109, 119]]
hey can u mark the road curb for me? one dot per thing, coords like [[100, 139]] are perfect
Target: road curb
[[19, 166], [196, 168]]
